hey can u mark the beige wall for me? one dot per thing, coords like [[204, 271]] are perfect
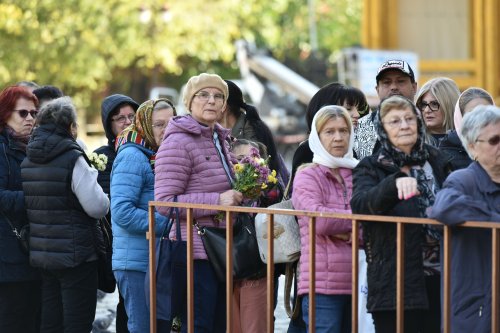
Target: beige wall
[[435, 29]]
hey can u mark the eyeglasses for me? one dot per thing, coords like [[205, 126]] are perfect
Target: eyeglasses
[[123, 118], [205, 96], [396, 123], [160, 126], [433, 106], [24, 113], [493, 141]]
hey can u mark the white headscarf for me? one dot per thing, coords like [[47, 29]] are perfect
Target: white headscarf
[[321, 155]]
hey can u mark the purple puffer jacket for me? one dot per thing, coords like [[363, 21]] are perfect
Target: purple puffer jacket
[[188, 166], [315, 189]]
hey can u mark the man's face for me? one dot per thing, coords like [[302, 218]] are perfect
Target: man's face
[[394, 82]]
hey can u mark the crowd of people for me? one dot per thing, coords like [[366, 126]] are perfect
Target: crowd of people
[[430, 152]]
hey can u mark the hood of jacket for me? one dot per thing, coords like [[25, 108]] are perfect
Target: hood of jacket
[[108, 105], [48, 142]]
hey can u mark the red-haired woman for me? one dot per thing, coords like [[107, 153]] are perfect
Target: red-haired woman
[[19, 282]]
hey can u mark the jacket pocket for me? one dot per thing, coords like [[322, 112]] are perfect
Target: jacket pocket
[[470, 305], [10, 250]]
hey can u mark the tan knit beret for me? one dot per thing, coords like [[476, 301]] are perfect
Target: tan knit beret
[[204, 80]]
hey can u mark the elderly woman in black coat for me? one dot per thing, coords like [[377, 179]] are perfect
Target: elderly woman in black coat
[[401, 179]]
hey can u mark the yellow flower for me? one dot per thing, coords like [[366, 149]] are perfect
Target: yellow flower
[[271, 179], [238, 167], [264, 186], [273, 173]]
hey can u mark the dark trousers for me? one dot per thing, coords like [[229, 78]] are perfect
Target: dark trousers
[[69, 299], [121, 315], [432, 322], [385, 321], [20, 307], [209, 301]]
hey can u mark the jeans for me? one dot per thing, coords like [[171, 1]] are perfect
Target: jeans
[[209, 301], [20, 306], [333, 313], [131, 286], [69, 298]]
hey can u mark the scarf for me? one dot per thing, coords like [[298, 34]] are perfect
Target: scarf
[[21, 141], [323, 157]]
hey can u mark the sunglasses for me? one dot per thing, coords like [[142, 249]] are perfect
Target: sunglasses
[[24, 113], [493, 141]]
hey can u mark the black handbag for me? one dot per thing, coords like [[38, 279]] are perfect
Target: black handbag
[[171, 271], [106, 278], [246, 258], [22, 234]]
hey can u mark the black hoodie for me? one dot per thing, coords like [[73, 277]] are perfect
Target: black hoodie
[[110, 104]]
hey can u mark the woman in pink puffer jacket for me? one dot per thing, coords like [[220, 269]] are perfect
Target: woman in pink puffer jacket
[[193, 165], [326, 186]]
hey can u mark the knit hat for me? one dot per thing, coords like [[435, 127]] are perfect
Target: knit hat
[[204, 80], [399, 65]]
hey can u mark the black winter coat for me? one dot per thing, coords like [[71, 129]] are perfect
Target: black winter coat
[[375, 193], [14, 264], [452, 146]]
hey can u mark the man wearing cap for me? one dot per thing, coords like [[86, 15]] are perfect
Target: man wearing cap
[[117, 113], [394, 77]]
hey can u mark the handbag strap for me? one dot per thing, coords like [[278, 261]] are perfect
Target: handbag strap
[[168, 226], [14, 229], [291, 278]]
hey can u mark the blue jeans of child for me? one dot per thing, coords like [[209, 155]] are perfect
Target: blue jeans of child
[[131, 286], [333, 313]]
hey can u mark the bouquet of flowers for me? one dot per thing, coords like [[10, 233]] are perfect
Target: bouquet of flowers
[[253, 176], [98, 161]]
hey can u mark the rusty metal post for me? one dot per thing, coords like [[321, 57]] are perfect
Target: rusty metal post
[[270, 274], [400, 276], [190, 270], [229, 271], [355, 272], [312, 274], [446, 279], [152, 268]]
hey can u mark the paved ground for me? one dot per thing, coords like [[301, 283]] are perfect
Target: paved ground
[[107, 305]]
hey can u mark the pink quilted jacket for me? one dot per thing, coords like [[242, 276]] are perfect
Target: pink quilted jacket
[[315, 189], [188, 165]]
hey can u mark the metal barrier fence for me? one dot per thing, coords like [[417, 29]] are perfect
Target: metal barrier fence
[[400, 222]]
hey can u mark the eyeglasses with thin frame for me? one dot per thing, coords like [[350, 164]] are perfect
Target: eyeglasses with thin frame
[[205, 96], [493, 141], [396, 123], [24, 113], [123, 118], [160, 126], [433, 106]]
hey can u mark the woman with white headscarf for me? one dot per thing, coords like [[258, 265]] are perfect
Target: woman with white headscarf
[[326, 186]]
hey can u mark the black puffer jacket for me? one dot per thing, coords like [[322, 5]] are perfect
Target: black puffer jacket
[[375, 193], [452, 146], [62, 235]]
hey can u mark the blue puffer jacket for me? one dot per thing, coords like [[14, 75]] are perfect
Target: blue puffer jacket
[[14, 265], [132, 187]]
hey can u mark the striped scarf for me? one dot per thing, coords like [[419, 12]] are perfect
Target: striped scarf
[[132, 136]]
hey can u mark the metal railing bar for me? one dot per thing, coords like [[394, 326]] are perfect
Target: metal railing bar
[[229, 270], [355, 273], [152, 269], [312, 274], [270, 274], [446, 279], [494, 279], [190, 270], [400, 278]]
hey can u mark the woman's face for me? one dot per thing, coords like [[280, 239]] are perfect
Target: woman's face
[[488, 153], [432, 113], [22, 126], [353, 112], [122, 120], [334, 136], [207, 106], [160, 119], [241, 151], [401, 128], [475, 102]]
